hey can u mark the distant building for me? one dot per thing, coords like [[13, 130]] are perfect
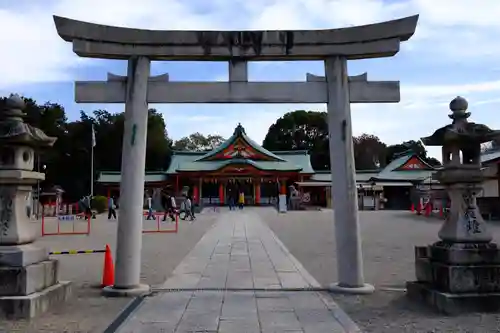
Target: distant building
[[240, 164]]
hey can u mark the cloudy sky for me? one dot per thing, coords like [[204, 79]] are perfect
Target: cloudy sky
[[454, 51]]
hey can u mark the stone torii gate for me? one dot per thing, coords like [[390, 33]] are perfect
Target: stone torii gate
[[336, 89]]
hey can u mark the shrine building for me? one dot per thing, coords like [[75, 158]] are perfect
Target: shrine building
[[242, 165], [237, 165]]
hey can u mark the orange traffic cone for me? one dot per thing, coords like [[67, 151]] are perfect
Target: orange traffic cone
[[412, 208], [108, 273]]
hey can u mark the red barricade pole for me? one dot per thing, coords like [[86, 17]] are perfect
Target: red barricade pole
[[158, 226], [65, 233]]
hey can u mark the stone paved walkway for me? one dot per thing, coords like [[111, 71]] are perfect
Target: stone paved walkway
[[230, 267]]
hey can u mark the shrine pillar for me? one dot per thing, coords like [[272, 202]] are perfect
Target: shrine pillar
[[256, 190], [196, 193], [344, 192], [221, 193], [328, 195], [200, 191], [176, 185], [283, 187]]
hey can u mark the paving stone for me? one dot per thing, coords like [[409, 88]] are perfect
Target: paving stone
[[264, 282], [279, 320], [183, 281], [196, 322], [282, 330], [271, 294], [239, 325], [274, 304], [292, 280], [150, 327], [308, 301], [321, 327], [205, 302], [241, 254]]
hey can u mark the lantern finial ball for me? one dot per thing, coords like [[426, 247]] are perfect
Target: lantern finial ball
[[459, 104]]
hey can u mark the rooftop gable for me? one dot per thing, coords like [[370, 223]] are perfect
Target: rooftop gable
[[239, 146], [408, 166]]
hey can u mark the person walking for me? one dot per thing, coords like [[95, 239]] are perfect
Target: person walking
[[173, 209], [191, 199], [111, 208], [230, 199], [149, 201], [87, 202], [167, 206], [241, 200], [188, 208]]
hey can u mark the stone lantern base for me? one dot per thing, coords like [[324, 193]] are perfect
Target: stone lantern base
[[457, 278], [29, 283]]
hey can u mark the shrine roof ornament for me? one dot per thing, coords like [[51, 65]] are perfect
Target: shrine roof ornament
[[367, 41], [239, 145]]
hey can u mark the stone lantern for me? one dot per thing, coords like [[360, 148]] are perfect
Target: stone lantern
[[28, 278], [461, 272]]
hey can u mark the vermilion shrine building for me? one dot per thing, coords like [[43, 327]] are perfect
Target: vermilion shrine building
[[240, 164]]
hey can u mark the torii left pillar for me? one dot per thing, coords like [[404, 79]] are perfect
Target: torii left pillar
[[129, 233]]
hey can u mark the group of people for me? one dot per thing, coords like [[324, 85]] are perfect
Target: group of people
[[169, 205], [231, 199]]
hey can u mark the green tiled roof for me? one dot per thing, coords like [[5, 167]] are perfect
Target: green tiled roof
[[361, 176], [390, 172], [288, 161], [180, 158], [239, 132], [183, 161], [113, 177]]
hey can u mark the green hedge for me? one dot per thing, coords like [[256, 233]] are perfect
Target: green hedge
[[100, 203]]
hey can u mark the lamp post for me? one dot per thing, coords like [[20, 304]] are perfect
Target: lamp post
[[38, 186]]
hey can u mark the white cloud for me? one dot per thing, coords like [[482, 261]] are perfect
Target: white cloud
[[34, 52], [449, 32]]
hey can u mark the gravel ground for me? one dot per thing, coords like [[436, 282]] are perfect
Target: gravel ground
[[388, 252], [87, 310]]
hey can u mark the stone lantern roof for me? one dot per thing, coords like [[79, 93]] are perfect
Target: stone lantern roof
[[460, 130], [13, 129]]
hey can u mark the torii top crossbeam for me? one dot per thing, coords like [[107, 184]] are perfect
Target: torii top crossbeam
[[368, 41]]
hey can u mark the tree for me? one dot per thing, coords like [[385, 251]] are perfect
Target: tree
[[416, 146], [301, 130], [369, 152], [68, 162], [308, 130], [198, 142]]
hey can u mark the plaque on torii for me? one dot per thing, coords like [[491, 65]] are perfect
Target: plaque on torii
[[336, 89]]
